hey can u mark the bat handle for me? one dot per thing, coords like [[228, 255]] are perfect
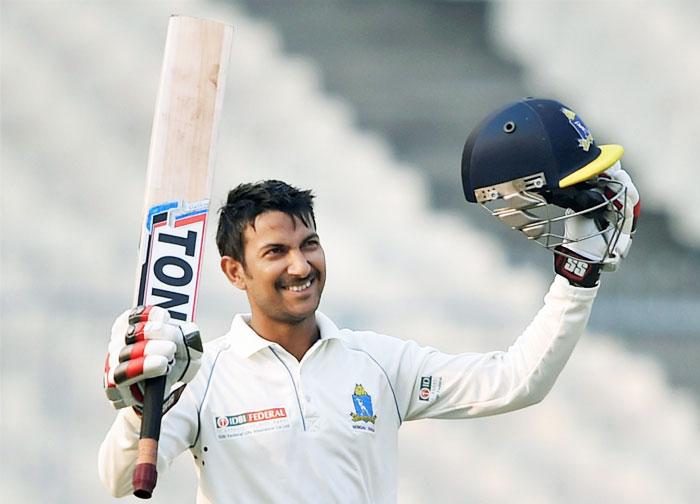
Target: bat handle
[[145, 473]]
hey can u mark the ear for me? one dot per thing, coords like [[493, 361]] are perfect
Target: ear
[[234, 271]]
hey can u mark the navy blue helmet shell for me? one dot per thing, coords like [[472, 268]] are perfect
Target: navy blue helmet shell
[[532, 136]]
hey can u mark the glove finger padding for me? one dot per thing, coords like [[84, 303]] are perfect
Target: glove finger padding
[[582, 235], [630, 209], [146, 343], [603, 240], [189, 353], [143, 360]]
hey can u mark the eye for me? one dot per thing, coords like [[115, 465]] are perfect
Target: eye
[[312, 243], [273, 251]]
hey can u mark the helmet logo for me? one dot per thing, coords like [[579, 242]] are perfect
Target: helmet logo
[[585, 136]]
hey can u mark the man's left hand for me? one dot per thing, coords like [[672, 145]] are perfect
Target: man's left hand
[[586, 250]]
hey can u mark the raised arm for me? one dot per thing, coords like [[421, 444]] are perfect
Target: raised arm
[[146, 343], [479, 384]]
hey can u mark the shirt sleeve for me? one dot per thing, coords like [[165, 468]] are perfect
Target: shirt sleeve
[[432, 384], [119, 450]]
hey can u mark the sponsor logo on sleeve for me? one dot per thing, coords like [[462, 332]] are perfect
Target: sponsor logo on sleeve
[[430, 388], [251, 422], [426, 384]]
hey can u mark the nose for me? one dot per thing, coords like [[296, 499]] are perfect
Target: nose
[[298, 264]]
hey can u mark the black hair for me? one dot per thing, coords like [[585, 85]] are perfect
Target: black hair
[[246, 201]]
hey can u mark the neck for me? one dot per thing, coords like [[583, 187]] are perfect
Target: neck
[[296, 338]]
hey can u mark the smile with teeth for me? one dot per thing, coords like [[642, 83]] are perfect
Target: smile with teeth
[[300, 287]]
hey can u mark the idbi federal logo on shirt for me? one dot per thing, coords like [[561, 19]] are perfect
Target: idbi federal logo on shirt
[[251, 422], [363, 418]]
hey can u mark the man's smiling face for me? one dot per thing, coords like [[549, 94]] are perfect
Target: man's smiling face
[[284, 268]]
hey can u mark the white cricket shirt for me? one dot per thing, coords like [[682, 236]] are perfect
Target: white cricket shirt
[[263, 427]]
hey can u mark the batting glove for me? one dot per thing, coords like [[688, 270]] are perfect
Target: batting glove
[[145, 343], [586, 251]]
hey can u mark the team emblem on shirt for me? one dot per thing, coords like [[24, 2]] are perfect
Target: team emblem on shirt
[[363, 417]]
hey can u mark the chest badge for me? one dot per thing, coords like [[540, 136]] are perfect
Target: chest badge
[[363, 417]]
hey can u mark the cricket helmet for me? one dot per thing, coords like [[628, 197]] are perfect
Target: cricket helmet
[[534, 164]]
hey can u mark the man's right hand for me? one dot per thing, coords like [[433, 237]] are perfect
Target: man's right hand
[[146, 343]]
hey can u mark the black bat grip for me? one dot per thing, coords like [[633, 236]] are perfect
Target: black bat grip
[[145, 473]]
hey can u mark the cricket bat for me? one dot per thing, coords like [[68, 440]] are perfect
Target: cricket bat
[[178, 187]]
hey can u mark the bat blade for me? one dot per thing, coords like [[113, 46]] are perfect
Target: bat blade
[[181, 163], [178, 187]]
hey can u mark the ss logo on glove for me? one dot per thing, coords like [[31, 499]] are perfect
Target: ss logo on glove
[[575, 266]]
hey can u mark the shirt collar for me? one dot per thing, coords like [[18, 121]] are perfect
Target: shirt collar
[[245, 342]]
